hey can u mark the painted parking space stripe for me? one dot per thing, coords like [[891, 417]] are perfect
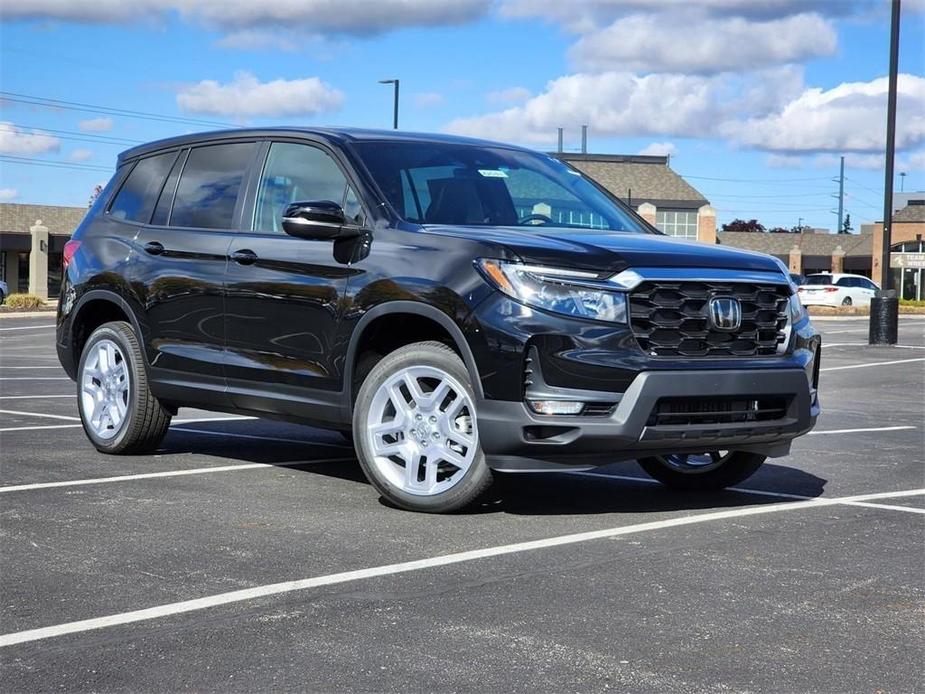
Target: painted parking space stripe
[[41, 414], [29, 327], [861, 430], [864, 344], [28, 368], [36, 397], [156, 475], [876, 363], [191, 420], [885, 507], [255, 592], [34, 378]]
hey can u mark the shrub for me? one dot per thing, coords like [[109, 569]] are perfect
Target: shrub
[[24, 301]]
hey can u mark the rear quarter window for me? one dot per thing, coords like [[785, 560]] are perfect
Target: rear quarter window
[[136, 198]]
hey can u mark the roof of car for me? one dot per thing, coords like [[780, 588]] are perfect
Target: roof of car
[[333, 135]]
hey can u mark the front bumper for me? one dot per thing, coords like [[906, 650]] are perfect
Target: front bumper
[[514, 438]]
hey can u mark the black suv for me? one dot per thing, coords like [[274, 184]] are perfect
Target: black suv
[[456, 307]]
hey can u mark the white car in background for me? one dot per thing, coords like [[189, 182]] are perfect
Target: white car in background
[[836, 290], [3, 292]]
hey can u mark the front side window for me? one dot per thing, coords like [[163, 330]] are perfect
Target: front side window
[[209, 186], [453, 184], [296, 172], [136, 198], [679, 223]]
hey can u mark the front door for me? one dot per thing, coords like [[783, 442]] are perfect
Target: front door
[[284, 294]]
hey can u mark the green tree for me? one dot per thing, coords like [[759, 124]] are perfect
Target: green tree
[[742, 225]]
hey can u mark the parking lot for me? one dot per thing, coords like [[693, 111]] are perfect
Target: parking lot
[[252, 555]]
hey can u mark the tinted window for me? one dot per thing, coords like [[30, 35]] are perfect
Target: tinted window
[[162, 209], [818, 279], [138, 194], [209, 186], [295, 172], [442, 183], [847, 282]]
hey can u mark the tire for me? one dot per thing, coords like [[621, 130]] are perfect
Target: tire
[[846, 301], [2, 298], [142, 420], [419, 448], [724, 469]]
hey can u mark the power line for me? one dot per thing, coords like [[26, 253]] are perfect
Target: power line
[[79, 136], [108, 110], [780, 181], [32, 161], [776, 195]]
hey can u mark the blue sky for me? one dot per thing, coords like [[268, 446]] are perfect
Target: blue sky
[[755, 100]]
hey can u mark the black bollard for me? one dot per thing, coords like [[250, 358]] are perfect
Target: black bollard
[[884, 318]]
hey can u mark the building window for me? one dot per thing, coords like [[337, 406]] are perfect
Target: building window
[[680, 223]]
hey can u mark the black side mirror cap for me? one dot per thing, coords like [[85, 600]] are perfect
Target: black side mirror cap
[[315, 219]]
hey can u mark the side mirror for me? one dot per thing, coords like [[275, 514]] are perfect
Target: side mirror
[[314, 219]]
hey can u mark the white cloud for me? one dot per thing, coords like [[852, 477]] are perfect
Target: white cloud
[[79, 155], [429, 99], [511, 95], [686, 42], [18, 141], [259, 39], [848, 118], [912, 162], [659, 149], [247, 97], [319, 16], [8, 194], [613, 103], [96, 125]]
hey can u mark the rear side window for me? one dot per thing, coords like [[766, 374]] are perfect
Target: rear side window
[[135, 200], [819, 279], [847, 282], [209, 186]]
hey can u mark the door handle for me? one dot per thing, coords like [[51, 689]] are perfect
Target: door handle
[[244, 257], [154, 247]]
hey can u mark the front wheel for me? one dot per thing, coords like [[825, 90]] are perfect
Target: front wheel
[[416, 432], [713, 470]]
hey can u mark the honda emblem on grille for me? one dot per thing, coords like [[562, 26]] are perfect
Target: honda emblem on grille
[[725, 313]]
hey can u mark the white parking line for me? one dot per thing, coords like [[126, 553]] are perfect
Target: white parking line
[[29, 368], [885, 507], [864, 344], [37, 414], [29, 327], [35, 397], [34, 378], [860, 431], [876, 363], [155, 475], [247, 594]]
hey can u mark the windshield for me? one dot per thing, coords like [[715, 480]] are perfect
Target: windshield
[[435, 183], [818, 279]]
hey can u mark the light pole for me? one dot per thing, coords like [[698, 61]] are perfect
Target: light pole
[[395, 112], [902, 181], [884, 307]]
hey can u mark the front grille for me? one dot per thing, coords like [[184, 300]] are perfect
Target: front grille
[[670, 319], [698, 411]]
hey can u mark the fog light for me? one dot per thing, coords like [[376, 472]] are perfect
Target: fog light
[[556, 406]]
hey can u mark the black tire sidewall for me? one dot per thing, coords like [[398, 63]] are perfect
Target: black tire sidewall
[[738, 467], [113, 332], [476, 479]]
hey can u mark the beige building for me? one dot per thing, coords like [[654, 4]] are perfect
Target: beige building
[[32, 239], [649, 184]]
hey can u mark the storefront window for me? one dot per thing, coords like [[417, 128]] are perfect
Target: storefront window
[[907, 267]]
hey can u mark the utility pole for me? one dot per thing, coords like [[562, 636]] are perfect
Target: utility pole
[[800, 225], [395, 106], [841, 195], [884, 307]]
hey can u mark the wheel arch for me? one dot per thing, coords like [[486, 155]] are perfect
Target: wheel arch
[[96, 307], [420, 312]]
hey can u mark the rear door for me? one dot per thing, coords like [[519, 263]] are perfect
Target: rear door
[[181, 272], [284, 294]]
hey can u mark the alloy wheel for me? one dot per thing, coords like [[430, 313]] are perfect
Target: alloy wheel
[[421, 430], [105, 389]]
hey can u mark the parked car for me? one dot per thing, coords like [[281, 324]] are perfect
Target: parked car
[[837, 290], [797, 278], [459, 307], [4, 292]]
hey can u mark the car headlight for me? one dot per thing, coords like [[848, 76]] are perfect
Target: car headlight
[[556, 289], [797, 309]]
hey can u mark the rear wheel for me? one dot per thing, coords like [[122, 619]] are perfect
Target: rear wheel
[[118, 412], [713, 470], [846, 301], [416, 433]]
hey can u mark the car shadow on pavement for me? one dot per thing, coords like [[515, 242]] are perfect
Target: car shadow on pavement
[[534, 494]]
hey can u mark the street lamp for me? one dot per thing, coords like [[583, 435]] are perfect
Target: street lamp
[[395, 112], [902, 181]]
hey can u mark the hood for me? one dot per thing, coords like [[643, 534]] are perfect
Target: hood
[[609, 251]]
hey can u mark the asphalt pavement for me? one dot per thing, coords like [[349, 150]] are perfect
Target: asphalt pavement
[[249, 555]]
